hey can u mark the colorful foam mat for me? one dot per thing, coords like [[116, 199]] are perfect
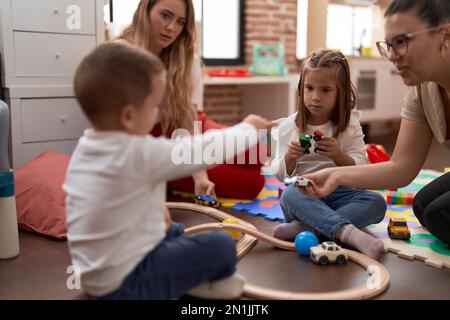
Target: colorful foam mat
[[422, 245]]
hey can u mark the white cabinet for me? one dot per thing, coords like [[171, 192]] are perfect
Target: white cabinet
[[41, 44], [380, 89]]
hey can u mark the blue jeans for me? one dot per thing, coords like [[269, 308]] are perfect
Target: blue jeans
[[327, 215], [178, 264]]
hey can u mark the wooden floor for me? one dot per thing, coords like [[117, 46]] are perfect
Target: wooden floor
[[39, 272]]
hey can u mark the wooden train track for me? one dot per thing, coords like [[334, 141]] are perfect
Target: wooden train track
[[377, 282]]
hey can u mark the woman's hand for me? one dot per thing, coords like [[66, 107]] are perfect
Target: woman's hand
[[202, 184], [323, 183], [205, 186], [167, 218]]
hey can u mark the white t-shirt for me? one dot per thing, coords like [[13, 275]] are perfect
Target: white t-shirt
[[351, 142], [116, 192]]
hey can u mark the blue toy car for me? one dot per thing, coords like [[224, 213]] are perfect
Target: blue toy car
[[206, 200]]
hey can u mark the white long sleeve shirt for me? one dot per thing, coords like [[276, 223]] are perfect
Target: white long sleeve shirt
[[351, 142], [116, 191]]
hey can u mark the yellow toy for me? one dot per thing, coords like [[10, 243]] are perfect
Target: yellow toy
[[235, 234], [398, 229]]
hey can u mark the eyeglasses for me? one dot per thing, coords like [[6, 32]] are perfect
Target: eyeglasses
[[400, 43]]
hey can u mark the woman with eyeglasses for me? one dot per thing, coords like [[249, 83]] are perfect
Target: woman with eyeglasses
[[417, 43]]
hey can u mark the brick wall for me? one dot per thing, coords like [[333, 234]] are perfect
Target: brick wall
[[270, 22], [266, 22], [222, 104]]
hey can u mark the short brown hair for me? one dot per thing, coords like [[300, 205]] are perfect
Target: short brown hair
[[346, 100], [112, 76]]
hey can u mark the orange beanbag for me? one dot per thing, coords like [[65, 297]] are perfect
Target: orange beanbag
[[40, 199]]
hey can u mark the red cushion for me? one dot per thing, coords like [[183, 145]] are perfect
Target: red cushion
[[40, 199]]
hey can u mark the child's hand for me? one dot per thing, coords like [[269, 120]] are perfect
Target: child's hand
[[167, 218], [328, 146], [259, 122], [205, 186], [294, 151]]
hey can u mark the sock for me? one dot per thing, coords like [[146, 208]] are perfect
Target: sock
[[227, 288], [365, 243], [288, 231]]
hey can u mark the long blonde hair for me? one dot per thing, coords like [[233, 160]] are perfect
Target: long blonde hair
[[176, 110], [346, 100]]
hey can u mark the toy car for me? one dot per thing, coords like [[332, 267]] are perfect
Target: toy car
[[328, 252], [206, 200], [304, 142], [398, 229], [296, 181], [318, 135]]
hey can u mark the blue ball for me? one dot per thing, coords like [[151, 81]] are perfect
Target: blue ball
[[305, 240]]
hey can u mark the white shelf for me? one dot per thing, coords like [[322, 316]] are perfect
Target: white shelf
[[207, 80]]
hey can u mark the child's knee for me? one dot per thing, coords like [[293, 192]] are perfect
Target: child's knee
[[378, 204], [290, 196]]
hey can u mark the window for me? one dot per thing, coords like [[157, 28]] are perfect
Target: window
[[302, 28], [222, 32], [219, 26], [120, 14], [349, 28]]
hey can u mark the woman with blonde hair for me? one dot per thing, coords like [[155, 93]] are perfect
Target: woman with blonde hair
[[167, 29]]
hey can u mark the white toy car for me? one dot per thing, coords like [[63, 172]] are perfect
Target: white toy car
[[328, 252], [296, 181]]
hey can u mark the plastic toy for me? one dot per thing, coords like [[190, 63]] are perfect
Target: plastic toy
[[206, 200], [251, 235], [9, 235], [268, 60], [304, 241], [328, 252], [297, 181], [304, 142], [230, 73], [398, 229], [398, 197], [317, 137], [233, 233], [376, 153]]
